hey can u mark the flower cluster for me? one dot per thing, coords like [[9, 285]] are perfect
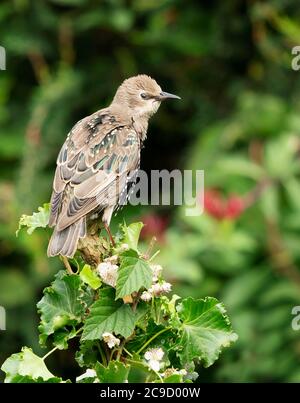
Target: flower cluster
[[108, 271], [154, 357], [158, 287]]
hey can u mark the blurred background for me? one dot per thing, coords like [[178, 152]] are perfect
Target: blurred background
[[239, 120]]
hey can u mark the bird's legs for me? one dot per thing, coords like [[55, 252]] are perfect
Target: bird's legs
[[110, 235], [67, 264]]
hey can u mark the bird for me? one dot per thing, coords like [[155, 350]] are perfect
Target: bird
[[98, 160]]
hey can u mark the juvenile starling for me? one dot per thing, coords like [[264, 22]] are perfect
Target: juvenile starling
[[97, 161]]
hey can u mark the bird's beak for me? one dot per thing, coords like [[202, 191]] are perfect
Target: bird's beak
[[165, 95]]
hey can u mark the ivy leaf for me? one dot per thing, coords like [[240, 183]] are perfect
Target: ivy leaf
[[89, 277], [108, 315], [206, 330], [132, 234], [36, 220], [23, 366], [61, 306], [133, 274], [115, 372]]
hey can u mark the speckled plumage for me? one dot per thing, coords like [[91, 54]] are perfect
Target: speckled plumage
[[97, 160]]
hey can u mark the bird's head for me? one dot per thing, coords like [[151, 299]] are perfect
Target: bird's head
[[142, 95]]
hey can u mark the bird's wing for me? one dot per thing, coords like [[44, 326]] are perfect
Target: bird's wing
[[92, 167]]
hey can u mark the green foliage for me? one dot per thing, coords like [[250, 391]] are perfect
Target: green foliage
[[134, 273], [26, 367], [36, 220], [206, 329], [115, 372], [132, 234], [89, 277], [117, 336], [238, 120], [61, 306], [108, 315]]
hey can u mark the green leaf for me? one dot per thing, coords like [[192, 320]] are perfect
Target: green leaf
[[26, 364], [89, 277], [280, 158], [36, 220], [132, 234], [115, 372], [108, 315], [133, 274], [175, 378], [206, 330], [87, 354], [61, 305]]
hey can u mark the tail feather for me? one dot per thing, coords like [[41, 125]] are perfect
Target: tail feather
[[65, 242]]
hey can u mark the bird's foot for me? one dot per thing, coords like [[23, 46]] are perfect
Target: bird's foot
[[67, 264], [112, 241]]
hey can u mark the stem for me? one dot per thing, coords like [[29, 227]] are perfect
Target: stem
[[154, 256], [127, 352], [151, 245], [120, 350], [49, 353], [103, 357], [152, 338], [158, 374]]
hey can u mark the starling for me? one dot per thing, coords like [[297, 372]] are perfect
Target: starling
[[98, 160]]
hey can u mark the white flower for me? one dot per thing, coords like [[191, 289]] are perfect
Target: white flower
[[110, 340], [166, 287], [146, 296], [124, 246], [156, 270], [158, 289], [90, 373], [108, 272], [154, 356]]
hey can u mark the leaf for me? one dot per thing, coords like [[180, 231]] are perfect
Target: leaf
[[133, 274], [115, 372], [36, 220], [26, 364], [89, 277], [61, 305], [206, 330], [87, 354], [108, 315], [132, 234], [175, 378], [280, 157]]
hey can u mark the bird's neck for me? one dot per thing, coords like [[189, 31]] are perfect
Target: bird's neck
[[140, 125], [126, 115]]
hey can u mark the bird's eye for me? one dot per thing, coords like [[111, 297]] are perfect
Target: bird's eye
[[144, 95]]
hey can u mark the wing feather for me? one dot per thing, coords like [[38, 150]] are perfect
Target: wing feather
[[92, 167]]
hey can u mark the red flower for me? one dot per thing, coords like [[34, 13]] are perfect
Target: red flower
[[235, 207], [213, 204], [220, 208], [154, 225]]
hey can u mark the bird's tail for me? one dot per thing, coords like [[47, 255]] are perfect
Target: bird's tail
[[65, 242]]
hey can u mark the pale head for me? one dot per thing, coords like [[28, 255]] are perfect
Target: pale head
[[142, 95]]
